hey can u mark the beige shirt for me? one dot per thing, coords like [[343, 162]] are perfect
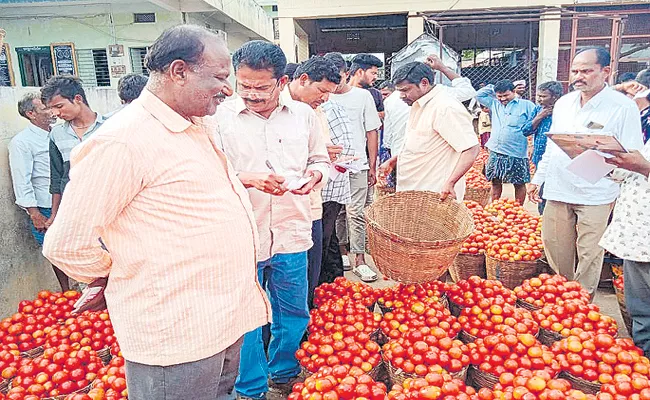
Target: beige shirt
[[484, 123], [179, 229], [438, 131], [291, 140]]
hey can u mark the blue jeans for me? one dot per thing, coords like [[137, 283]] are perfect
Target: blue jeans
[[637, 300], [284, 277], [40, 236]]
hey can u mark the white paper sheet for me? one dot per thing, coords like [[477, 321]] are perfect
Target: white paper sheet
[[296, 183], [591, 166]]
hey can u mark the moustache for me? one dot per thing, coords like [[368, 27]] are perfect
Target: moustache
[[583, 82], [254, 101]]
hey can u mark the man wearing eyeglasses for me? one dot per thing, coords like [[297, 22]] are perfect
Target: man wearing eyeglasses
[[277, 147]]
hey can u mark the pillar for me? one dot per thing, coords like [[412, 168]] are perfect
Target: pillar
[[287, 30], [415, 26], [549, 46]]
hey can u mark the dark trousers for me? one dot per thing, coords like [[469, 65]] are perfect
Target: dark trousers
[[332, 265], [207, 379], [314, 258]]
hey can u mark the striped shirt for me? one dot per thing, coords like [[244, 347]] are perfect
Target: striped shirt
[[340, 130], [179, 229]]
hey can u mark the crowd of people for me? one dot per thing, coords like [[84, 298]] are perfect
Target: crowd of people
[[227, 213]]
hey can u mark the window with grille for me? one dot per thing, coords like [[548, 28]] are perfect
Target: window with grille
[[137, 60], [93, 67], [144, 18]]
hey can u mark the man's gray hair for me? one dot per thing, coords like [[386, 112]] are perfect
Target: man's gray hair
[[26, 104]]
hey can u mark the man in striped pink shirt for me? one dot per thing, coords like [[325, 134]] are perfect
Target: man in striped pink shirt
[[177, 223], [273, 142]]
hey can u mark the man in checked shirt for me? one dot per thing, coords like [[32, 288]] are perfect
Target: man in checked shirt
[[312, 83]]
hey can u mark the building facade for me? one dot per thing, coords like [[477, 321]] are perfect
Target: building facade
[[532, 40], [101, 41]]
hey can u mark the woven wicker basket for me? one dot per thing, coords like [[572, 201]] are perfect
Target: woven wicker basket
[[482, 196], [510, 273], [105, 355], [524, 304], [397, 376], [414, 237], [466, 337], [480, 379], [33, 353], [466, 265], [454, 308], [548, 337], [581, 384], [627, 318], [4, 386]]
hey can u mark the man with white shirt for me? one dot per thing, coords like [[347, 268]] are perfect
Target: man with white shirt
[[29, 161], [362, 112], [275, 145], [577, 211]]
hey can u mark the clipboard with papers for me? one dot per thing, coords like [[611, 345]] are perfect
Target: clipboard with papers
[[574, 144], [588, 153]]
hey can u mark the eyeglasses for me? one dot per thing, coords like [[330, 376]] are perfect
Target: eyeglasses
[[253, 93]]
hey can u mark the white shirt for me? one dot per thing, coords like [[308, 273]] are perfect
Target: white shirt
[[397, 112], [397, 116], [618, 116], [628, 234], [360, 107], [291, 139], [29, 160]]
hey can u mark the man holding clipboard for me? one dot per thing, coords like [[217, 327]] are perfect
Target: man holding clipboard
[[577, 210]]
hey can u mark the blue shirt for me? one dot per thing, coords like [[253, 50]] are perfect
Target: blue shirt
[[539, 140], [507, 136]]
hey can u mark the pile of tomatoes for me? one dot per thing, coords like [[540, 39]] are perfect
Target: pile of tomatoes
[[10, 361], [474, 178], [339, 382], [59, 371], [499, 353], [425, 351], [527, 384], [563, 319], [92, 329], [551, 289], [331, 350], [468, 293], [111, 380], [486, 319], [435, 316], [515, 235], [342, 288], [404, 294], [433, 386], [600, 358], [344, 316]]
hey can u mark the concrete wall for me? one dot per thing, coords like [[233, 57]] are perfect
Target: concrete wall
[[23, 271]]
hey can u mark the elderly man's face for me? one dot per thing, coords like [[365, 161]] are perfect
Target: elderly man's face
[[207, 82], [587, 75]]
